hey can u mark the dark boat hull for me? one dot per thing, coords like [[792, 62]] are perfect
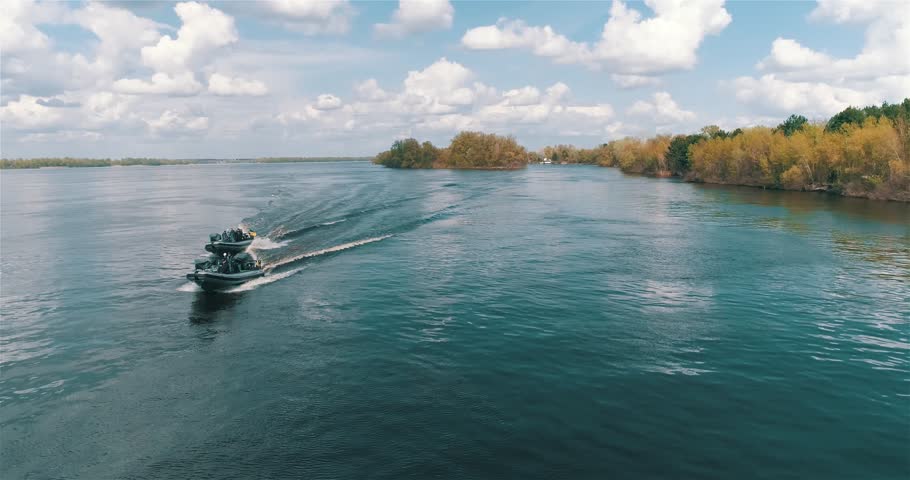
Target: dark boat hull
[[212, 282], [228, 247]]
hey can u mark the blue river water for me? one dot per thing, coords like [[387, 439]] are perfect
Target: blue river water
[[553, 322]]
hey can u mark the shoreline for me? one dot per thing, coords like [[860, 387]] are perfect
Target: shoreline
[[663, 175], [36, 164], [666, 175], [818, 191]]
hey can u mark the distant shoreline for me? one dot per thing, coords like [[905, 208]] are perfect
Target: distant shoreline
[[66, 162]]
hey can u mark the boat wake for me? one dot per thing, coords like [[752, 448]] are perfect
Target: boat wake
[[189, 287], [324, 251], [253, 284], [265, 243], [282, 232]]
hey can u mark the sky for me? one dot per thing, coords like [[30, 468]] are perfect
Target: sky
[[343, 78]]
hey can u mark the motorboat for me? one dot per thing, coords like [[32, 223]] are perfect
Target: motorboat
[[230, 241], [214, 273]]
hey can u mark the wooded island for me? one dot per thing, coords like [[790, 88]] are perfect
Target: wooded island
[[468, 150]]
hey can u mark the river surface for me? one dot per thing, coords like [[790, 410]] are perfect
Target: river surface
[[554, 322]]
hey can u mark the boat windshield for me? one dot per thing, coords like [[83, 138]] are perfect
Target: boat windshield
[[234, 264], [231, 235]]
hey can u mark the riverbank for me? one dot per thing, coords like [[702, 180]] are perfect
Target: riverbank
[[861, 153]]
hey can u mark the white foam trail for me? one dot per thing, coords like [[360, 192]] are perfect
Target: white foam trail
[[252, 284], [266, 243], [326, 224], [189, 287], [324, 251]]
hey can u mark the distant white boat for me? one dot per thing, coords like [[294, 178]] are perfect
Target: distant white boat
[[546, 161]]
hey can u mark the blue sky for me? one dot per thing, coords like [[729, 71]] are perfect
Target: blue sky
[[298, 77]]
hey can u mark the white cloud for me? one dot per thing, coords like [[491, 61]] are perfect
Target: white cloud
[[629, 44], [120, 31], [601, 111], [800, 79], [415, 16], [662, 109], [327, 102], [370, 91], [30, 112], [449, 123], [181, 84], [312, 17], [847, 11], [787, 54], [550, 114], [172, 122], [71, 111], [31, 66], [439, 88], [104, 108], [887, 37], [667, 41], [742, 121], [203, 30], [444, 98], [542, 41], [61, 136], [230, 86], [522, 96], [507, 110], [815, 99], [307, 113], [18, 32], [633, 81]]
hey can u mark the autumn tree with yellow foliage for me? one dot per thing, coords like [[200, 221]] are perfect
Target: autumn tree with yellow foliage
[[859, 152], [868, 160]]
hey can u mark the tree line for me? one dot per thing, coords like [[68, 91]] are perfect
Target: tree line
[[85, 162], [71, 162], [862, 152], [307, 159], [468, 150]]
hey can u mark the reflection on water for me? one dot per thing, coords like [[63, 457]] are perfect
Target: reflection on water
[[807, 203], [207, 306], [889, 257]]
